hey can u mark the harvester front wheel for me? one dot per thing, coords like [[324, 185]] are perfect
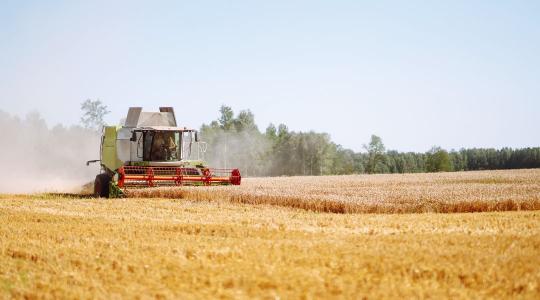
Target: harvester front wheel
[[101, 185]]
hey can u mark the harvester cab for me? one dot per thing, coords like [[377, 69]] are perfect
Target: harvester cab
[[150, 150]]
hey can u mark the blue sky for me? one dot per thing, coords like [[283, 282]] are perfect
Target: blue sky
[[417, 73]]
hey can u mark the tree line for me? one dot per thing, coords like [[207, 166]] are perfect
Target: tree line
[[235, 141]]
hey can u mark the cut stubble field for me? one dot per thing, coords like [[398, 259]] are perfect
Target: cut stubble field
[[266, 239]]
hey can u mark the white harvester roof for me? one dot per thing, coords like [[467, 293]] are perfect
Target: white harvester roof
[[137, 118]]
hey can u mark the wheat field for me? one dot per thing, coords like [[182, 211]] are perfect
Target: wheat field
[[216, 246], [389, 193]]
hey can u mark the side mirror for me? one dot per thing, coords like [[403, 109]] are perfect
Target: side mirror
[[133, 136], [196, 136]]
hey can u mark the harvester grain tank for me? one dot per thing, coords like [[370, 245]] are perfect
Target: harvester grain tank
[[151, 150]]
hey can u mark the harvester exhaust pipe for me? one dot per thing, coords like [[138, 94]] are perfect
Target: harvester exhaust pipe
[[92, 161]]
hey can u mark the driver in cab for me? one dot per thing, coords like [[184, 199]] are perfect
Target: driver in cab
[[163, 146]]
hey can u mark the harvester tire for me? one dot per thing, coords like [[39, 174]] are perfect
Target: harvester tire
[[101, 185]]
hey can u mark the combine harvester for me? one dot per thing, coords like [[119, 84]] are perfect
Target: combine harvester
[[149, 151]]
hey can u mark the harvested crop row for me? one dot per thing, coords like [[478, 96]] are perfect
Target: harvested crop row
[[483, 191]]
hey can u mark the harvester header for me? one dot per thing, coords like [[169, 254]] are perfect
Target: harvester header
[[151, 150]]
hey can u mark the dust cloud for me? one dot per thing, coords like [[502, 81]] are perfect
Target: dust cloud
[[35, 158], [247, 151]]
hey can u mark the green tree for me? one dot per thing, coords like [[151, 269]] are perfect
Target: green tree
[[226, 119], [93, 114], [376, 156], [438, 160], [245, 121], [271, 132], [342, 160]]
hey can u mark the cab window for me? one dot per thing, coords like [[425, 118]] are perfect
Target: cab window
[[161, 146]]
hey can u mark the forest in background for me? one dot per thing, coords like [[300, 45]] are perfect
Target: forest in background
[[233, 141], [236, 141]]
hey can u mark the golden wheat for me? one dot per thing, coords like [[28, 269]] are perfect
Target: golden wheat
[[214, 243], [481, 191], [54, 247]]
